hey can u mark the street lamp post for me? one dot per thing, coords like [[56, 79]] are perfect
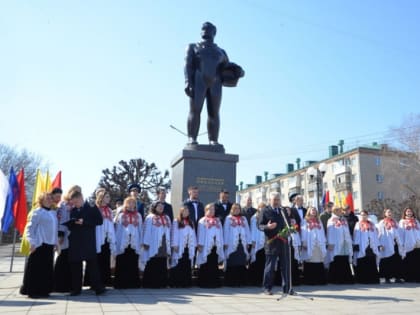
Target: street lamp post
[[317, 174]]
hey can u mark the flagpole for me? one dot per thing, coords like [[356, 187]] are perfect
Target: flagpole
[[13, 249]]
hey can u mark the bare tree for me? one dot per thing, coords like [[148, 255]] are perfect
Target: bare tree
[[401, 167], [117, 179], [18, 159]]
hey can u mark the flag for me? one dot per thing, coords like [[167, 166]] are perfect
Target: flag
[[343, 200], [337, 201], [47, 183], [349, 200], [325, 198], [20, 209], [12, 194], [38, 189], [4, 188], [57, 181]]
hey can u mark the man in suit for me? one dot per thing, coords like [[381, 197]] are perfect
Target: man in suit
[[134, 191], [223, 205], [300, 209], [248, 211], [82, 244], [194, 205], [167, 208], [271, 221]]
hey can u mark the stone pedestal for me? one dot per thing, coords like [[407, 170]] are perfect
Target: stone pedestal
[[208, 168]]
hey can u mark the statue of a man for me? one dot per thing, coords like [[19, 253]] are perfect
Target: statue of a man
[[207, 68]]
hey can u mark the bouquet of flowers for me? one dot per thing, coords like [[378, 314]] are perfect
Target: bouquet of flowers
[[284, 233]]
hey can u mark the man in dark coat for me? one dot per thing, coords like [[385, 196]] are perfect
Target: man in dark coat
[[134, 191], [248, 211], [271, 221], [167, 207], [82, 243], [194, 205], [351, 218], [223, 205]]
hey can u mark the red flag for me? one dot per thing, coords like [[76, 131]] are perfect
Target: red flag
[[327, 197], [20, 210], [57, 181], [349, 201]]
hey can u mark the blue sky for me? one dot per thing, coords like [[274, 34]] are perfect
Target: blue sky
[[88, 83]]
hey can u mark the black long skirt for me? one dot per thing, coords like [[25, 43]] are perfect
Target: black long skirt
[[180, 276], [236, 274], [391, 267], [256, 269], [366, 271], [314, 273], [156, 273], [340, 272], [62, 272], [208, 273], [127, 274], [104, 264], [411, 263], [38, 278]]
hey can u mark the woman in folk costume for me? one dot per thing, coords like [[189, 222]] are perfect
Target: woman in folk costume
[[237, 237], [410, 235], [209, 248], [390, 265], [62, 272], [41, 233], [313, 248], [105, 237], [128, 237], [340, 249], [366, 250], [257, 264], [183, 245], [156, 247]]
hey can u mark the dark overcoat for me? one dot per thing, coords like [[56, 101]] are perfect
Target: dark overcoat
[[82, 238]]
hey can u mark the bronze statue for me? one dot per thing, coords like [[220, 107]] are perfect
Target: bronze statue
[[207, 68]]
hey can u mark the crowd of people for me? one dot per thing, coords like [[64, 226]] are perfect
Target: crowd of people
[[75, 243]]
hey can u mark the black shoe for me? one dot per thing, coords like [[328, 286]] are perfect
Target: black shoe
[[268, 292], [100, 291], [75, 293], [399, 280], [387, 281]]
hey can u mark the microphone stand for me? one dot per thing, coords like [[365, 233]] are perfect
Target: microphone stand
[[289, 245]]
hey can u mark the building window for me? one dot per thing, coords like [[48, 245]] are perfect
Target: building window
[[379, 178], [302, 192], [354, 178], [355, 195], [378, 161], [380, 195]]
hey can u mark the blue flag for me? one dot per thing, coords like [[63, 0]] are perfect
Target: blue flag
[[12, 194]]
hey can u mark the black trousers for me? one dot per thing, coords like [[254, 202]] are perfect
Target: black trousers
[[77, 274], [284, 263]]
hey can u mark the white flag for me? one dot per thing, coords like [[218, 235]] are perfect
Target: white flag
[[4, 188]]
